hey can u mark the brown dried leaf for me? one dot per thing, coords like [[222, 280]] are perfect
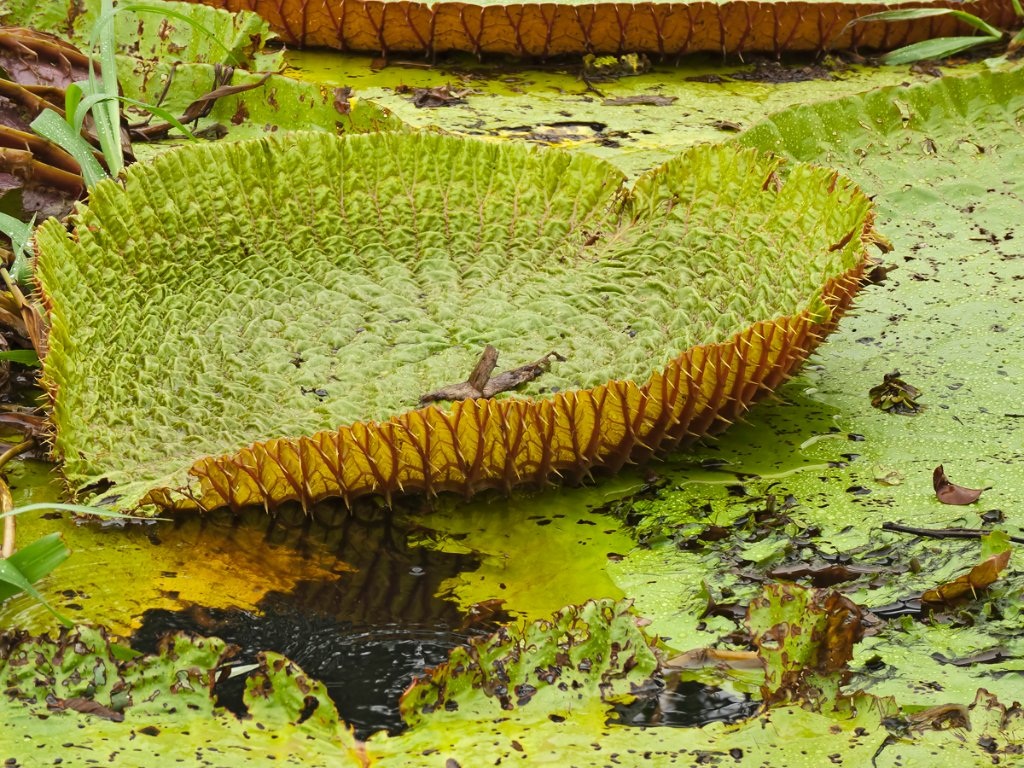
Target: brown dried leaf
[[701, 658], [823, 574], [85, 706], [948, 493], [31, 57], [978, 578], [441, 96]]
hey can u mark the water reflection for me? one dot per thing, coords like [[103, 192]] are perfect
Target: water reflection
[[686, 704], [364, 632]]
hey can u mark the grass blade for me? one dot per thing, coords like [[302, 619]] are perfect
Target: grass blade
[[22, 356], [10, 574], [935, 49], [911, 14], [36, 561], [79, 508], [20, 234], [108, 116], [52, 126]]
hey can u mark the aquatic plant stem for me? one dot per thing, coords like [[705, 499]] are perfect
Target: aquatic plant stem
[[6, 501]]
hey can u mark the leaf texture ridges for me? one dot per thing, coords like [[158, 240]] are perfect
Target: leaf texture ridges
[[297, 295], [552, 29]]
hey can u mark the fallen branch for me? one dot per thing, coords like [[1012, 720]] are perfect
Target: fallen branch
[[944, 533]]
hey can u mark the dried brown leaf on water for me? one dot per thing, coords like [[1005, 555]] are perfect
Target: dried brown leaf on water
[[895, 395], [950, 493], [978, 578], [824, 574], [805, 638], [85, 706], [701, 658]]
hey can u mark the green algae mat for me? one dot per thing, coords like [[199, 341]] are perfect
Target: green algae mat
[[818, 487], [334, 292]]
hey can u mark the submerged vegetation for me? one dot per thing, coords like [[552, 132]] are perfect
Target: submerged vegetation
[[255, 326]]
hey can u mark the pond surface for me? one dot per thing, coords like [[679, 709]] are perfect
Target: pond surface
[[366, 599]]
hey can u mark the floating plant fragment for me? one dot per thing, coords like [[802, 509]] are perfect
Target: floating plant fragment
[[375, 268], [591, 652], [895, 395], [805, 638], [979, 578]]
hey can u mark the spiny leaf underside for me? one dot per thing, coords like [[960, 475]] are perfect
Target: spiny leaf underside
[[552, 29]]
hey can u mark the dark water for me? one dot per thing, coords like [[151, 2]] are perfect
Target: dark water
[[365, 667], [365, 634], [686, 704]]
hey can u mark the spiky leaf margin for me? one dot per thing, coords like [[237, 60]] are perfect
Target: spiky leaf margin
[[200, 308]]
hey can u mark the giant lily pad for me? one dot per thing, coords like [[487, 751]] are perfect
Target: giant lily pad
[[661, 27], [315, 288]]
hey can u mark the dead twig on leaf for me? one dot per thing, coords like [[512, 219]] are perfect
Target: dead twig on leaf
[[481, 384]]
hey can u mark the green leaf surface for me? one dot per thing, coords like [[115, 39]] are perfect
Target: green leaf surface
[[590, 652], [553, 105], [275, 103], [72, 695], [376, 305], [52, 126], [163, 30]]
